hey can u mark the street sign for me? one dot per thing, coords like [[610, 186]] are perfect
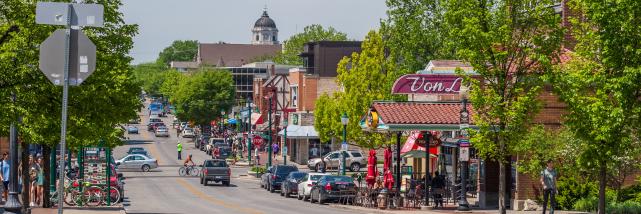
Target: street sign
[[464, 143], [284, 150], [82, 57], [464, 126], [464, 154], [344, 146], [56, 13]]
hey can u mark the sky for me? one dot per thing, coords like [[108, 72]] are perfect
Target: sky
[[208, 21]]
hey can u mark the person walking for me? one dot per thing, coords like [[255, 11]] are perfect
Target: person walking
[[6, 169], [179, 148], [548, 180], [275, 150]]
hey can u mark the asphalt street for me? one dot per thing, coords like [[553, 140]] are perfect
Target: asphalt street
[[163, 191]]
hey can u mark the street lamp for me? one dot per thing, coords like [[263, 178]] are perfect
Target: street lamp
[[463, 205], [344, 121], [285, 141], [249, 129], [269, 131], [13, 204]]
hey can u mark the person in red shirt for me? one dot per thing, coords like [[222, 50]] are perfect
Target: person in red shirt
[[216, 153]]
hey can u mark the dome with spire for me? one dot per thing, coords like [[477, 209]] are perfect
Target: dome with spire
[[265, 21]]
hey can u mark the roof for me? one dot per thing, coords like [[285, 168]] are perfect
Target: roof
[[300, 132], [265, 21], [449, 63], [233, 55], [420, 115]]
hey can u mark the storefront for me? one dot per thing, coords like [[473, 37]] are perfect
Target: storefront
[[303, 143]]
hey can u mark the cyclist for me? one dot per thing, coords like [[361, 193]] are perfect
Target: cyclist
[[187, 161]]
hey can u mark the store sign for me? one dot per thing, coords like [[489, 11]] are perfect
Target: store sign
[[464, 154], [372, 119], [427, 84]]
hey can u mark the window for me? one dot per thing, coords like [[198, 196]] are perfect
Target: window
[[138, 158], [274, 38], [357, 154], [294, 96], [333, 156], [256, 37]]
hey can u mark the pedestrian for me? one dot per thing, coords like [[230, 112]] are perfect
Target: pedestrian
[[5, 167], [548, 180], [40, 179], [437, 186], [275, 150], [179, 148], [33, 173], [257, 156]]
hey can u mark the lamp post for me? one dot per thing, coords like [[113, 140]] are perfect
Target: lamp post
[[222, 121], [427, 137], [269, 132], [249, 129], [344, 121], [463, 205], [13, 204], [285, 141]]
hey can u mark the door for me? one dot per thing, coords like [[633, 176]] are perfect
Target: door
[[126, 164], [138, 162], [333, 160]]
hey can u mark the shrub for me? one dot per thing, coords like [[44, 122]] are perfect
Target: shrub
[[588, 204], [571, 190], [628, 207], [258, 169]]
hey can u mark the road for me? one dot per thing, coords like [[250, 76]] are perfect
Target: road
[[162, 191]]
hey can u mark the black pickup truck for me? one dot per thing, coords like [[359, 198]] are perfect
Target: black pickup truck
[[215, 170]]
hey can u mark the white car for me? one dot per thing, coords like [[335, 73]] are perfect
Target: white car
[[188, 133], [162, 132], [305, 185]]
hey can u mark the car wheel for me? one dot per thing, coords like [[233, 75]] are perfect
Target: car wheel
[[201, 180], [262, 185], [271, 189], [298, 196], [311, 196], [317, 167], [320, 200], [145, 168], [226, 183], [282, 191], [287, 194], [355, 167]]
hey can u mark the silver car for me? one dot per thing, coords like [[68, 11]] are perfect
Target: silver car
[[354, 161], [137, 162], [162, 132]]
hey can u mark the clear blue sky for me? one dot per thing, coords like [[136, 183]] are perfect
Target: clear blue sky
[[163, 21]]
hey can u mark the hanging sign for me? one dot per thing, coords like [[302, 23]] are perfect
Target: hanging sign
[[427, 84]]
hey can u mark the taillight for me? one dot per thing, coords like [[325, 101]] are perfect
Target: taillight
[[309, 185], [205, 172], [273, 177], [328, 187]]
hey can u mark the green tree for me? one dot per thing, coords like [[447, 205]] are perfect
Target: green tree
[[364, 77], [202, 96], [601, 85], [509, 43], [294, 45], [179, 50], [150, 76], [170, 82], [413, 33]]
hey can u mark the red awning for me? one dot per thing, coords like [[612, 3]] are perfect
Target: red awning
[[411, 144]]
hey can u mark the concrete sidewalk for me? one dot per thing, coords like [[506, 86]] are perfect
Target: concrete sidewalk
[[75, 210], [447, 209]]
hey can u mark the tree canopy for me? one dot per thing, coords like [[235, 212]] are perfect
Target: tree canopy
[[294, 45], [179, 50], [203, 95]]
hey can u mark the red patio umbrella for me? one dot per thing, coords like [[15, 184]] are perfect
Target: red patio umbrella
[[388, 179], [372, 172]]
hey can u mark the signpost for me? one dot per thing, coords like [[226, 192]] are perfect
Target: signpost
[[67, 57]]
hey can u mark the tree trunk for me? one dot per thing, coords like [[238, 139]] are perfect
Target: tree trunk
[[46, 155], [502, 209], [26, 180], [602, 173]]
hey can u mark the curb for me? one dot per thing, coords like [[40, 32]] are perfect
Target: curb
[[368, 210]]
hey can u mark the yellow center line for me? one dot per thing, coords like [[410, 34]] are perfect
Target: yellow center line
[[153, 148], [216, 201]]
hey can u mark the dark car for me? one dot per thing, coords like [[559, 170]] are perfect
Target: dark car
[[264, 177], [278, 175], [290, 184], [333, 188], [215, 170], [132, 150]]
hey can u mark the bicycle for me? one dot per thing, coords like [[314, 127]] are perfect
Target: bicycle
[[112, 192], [189, 170]]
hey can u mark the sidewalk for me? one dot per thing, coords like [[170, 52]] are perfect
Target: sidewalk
[[448, 209], [74, 210], [263, 160]]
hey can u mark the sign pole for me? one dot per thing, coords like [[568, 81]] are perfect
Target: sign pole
[[63, 120]]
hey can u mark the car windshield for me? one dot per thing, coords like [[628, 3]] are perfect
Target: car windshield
[[285, 170], [316, 177], [215, 164], [298, 176], [338, 179], [135, 149]]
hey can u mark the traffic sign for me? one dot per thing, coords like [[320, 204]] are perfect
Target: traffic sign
[[344, 146], [464, 154], [57, 13], [82, 57]]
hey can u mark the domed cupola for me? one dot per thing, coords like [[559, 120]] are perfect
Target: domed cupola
[[265, 31]]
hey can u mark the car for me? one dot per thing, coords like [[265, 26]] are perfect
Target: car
[[132, 130], [215, 170], [265, 176], [152, 126], [305, 185], [277, 176], [137, 161], [332, 188], [162, 132], [354, 161], [136, 149], [134, 121], [188, 133], [290, 184], [154, 119]]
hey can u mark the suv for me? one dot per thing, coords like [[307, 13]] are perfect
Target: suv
[[354, 161], [276, 175]]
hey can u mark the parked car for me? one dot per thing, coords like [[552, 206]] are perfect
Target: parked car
[[162, 132], [154, 125], [290, 184], [277, 175], [134, 121], [265, 176], [188, 133], [137, 161], [305, 185], [215, 170], [132, 130], [354, 161], [332, 188], [136, 149]]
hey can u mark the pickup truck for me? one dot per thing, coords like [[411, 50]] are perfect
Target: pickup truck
[[215, 170]]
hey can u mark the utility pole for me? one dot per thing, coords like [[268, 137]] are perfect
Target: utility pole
[[269, 131], [249, 130]]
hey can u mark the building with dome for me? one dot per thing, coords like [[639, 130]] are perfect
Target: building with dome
[[264, 31]]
